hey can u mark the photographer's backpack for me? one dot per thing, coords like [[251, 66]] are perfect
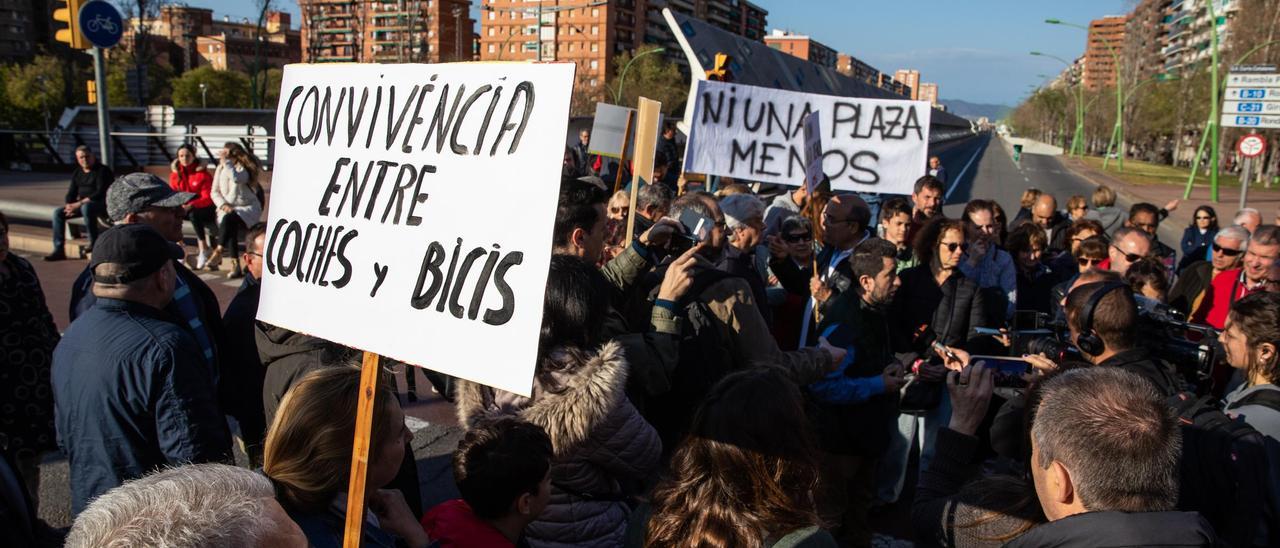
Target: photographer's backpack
[[1224, 472]]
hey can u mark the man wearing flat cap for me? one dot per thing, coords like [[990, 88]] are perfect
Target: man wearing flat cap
[[144, 199], [131, 390]]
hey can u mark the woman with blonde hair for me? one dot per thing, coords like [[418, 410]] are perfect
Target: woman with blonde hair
[[239, 197], [1105, 211], [308, 458]]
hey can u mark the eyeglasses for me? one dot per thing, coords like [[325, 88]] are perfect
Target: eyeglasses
[[1086, 262], [1225, 251], [1131, 257], [952, 246], [796, 237], [1199, 218]]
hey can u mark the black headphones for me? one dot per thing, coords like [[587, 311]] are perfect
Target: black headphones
[[1089, 342]]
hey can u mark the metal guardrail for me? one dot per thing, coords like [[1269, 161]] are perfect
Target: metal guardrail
[[52, 150]]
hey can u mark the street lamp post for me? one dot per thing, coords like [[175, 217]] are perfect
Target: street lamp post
[[1077, 141], [203, 90], [1117, 135], [622, 77]]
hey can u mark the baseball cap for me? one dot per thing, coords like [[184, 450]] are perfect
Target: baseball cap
[[135, 192], [137, 248]]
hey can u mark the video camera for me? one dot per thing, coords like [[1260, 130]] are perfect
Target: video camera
[[1193, 349]]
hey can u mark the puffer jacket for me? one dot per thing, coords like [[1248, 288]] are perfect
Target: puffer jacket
[[194, 179], [923, 311], [604, 449], [231, 188], [287, 356]]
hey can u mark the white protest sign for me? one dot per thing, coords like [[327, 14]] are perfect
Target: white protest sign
[[755, 134], [812, 152], [411, 211], [611, 126]]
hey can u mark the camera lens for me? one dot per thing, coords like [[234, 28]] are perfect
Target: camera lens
[[1051, 348]]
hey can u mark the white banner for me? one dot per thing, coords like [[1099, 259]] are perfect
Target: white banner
[[411, 211], [756, 134]]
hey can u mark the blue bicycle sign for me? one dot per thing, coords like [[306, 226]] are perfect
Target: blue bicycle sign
[[101, 23]]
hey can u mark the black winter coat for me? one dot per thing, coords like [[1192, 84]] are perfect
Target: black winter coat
[[923, 311]]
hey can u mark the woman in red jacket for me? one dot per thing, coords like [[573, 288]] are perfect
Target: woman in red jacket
[[189, 175]]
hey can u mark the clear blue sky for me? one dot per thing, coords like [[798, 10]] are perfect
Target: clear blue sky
[[975, 50]]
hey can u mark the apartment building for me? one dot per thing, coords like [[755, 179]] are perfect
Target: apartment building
[[911, 79], [184, 38], [387, 31], [804, 47]]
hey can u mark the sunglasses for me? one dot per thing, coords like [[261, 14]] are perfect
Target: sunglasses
[[794, 238], [1225, 251], [1086, 262], [1131, 257], [956, 245]]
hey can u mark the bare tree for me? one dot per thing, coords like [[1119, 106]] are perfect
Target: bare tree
[[142, 13]]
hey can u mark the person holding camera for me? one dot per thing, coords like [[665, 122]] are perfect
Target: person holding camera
[[1102, 317], [1083, 420]]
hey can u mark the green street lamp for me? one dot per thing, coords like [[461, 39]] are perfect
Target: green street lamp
[[1077, 141], [1117, 135], [622, 78]]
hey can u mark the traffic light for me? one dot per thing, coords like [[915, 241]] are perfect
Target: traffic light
[[720, 72], [93, 91], [70, 15]]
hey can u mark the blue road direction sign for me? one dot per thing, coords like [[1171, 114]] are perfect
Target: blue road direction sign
[[101, 23], [1251, 107], [1253, 94], [1251, 121]]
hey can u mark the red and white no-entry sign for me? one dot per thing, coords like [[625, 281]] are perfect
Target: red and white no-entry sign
[[1251, 145]]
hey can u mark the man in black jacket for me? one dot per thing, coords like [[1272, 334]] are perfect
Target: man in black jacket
[[86, 197], [1085, 419], [1106, 333], [844, 225], [242, 366]]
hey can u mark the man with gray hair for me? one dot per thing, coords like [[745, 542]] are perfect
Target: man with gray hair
[[1249, 218], [193, 506], [744, 218], [1105, 449], [1227, 250], [1252, 276], [130, 389]]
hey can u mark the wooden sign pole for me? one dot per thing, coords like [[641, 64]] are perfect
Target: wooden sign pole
[[622, 162], [647, 118], [360, 450]]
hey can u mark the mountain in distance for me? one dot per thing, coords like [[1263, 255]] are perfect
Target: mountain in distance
[[973, 111]]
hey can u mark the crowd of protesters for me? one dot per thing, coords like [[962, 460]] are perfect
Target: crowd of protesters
[[777, 379]]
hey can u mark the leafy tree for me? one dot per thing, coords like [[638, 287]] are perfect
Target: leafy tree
[[223, 88], [36, 91], [118, 92], [652, 76], [272, 79]]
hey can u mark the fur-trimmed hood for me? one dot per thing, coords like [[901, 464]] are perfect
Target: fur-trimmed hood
[[568, 406]]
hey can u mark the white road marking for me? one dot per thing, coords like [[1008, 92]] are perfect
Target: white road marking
[[415, 424], [959, 178]]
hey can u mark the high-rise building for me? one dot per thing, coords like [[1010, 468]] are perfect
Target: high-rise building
[[184, 38], [589, 35], [1105, 43], [911, 79], [592, 33], [929, 92], [1188, 31], [1144, 37], [387, 31], [804, 47], [20, 34]]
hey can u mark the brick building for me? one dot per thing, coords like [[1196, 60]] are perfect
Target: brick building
[[853, 67], [928, 92], [911, 79], [1106, 35], [387, 31], [804, 47], [592, 33], [185, 38]]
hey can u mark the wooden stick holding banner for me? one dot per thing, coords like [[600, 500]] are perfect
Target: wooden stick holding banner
[[650, 115], [622, 160], [360, 450], [812, 178]]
